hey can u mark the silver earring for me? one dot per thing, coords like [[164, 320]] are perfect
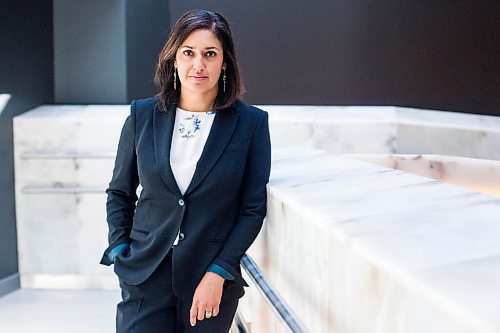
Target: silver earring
[[175, 78], [224, 79]]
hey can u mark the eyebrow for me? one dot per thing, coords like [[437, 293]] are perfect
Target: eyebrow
[[207, 48]]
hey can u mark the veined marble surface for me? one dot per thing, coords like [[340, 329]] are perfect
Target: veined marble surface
[[354, 247], [70, 129], [386, 130], [477, 174]]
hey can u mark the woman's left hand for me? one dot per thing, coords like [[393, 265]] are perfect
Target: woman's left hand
[[206, 298]]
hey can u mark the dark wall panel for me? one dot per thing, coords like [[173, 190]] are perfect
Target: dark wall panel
[[148, 26], [429, 54], [26, 72], [90, 51]]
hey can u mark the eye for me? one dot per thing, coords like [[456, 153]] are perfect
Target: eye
[[187, 52], [211, 54]]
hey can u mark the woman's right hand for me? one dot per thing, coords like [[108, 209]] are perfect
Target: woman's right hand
[[207, 297]]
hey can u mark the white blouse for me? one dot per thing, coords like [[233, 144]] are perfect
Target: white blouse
[[189, 136]]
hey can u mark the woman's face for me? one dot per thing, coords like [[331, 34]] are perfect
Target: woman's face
[[199, 62]]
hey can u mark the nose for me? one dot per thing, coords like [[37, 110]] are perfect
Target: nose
[[198, 64]]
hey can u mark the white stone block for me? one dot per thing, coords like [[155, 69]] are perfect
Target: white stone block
[[393, 252]]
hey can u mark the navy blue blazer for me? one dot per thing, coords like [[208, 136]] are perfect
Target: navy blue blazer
[[220, 214]]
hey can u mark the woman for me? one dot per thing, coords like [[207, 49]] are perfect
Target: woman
[[202, 158]]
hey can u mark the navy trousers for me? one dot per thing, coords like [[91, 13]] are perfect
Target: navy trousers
[[152, 307]]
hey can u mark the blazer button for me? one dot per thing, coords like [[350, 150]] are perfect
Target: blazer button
[[181, 202], [181, 236]]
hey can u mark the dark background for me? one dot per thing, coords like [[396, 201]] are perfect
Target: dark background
[[441, 55], [26, 72], [428, 54]]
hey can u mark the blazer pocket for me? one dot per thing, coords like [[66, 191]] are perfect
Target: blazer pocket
[[138, 234]]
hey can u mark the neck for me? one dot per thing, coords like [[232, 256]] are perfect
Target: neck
[[196, 102]]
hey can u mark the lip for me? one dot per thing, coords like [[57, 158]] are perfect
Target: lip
[[198, 78]]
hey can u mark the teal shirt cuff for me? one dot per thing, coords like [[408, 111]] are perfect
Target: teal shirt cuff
[[117, 250], [214, 268]]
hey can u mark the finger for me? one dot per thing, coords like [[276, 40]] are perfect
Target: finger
[[215, 311], [201, 313], [192, 315]]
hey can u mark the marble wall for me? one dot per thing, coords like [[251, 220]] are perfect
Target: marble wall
[[64, 159]]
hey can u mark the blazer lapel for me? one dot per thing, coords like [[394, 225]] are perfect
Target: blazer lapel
[[163, 125], [220, 134]]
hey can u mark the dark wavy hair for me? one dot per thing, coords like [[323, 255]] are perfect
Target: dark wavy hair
[[164, 75]]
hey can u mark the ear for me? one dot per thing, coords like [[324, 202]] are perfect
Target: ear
[[224, 66], [175, 63]]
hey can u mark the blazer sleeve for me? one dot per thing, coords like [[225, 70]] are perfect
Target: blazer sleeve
[[253, 201], [120, 204]]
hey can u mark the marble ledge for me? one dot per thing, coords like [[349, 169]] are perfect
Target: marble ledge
[[75, 112], [343, 194], [4, 99], [476, 174], [383, 114], [291, 113], [358, 222], [337, 129]]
